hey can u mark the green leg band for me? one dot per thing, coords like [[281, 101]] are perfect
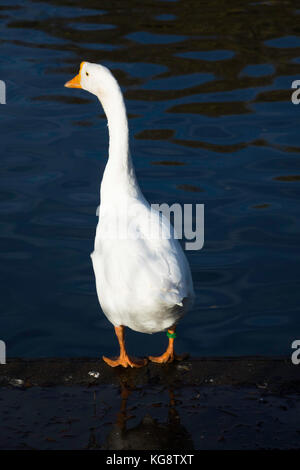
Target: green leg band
[[171, 335]]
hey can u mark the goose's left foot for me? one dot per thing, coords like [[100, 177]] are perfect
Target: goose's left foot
[[169, 355], [123, 360]]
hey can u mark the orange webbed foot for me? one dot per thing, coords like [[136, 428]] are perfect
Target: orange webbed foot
[[125, 361], [168, 357]]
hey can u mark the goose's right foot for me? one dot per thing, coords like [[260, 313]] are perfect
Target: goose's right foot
[[169, 355]]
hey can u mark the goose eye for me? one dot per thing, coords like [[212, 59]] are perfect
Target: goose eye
[[87, 74]]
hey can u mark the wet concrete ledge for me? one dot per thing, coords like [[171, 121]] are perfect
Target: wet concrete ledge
[[199, 403], [274, 374]]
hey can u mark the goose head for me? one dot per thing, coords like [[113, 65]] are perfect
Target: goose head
[[94, 78], [99, 81]]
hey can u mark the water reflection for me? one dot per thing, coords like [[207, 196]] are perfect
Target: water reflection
[[151, 417], [149, 433], [208, 92]]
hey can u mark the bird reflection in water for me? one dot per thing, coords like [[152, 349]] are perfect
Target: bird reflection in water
[[149, 434]]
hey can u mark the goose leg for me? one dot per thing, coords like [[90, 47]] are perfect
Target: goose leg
[[169, 355], [123, 360]]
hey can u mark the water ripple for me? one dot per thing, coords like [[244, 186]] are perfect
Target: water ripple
[[211, 121]]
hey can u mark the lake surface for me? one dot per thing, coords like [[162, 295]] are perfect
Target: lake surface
[[208, 93]]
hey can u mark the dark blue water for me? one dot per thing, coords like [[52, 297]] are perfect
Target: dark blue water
[[208, 93]]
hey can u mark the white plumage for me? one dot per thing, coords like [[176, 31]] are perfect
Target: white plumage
[[142, 283], [143, 278]]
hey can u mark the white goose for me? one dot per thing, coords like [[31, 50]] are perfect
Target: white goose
[[143, 281]]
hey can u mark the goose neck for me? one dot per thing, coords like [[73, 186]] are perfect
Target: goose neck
[[115, 111]]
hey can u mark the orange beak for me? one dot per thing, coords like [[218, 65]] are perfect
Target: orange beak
[[76, 81]]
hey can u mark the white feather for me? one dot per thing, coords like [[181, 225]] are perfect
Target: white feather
[[143, 281]]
